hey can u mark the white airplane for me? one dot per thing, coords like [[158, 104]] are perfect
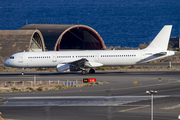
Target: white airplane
[[82, 60]]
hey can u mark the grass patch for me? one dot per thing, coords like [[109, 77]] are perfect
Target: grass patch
[[1, 68], [15, 89], [104, 82], [40, 89], [97, 83], [30, 89], [92, 83], [59, 87]]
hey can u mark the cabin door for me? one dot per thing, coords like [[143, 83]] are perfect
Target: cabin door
[[54, 58], [20, 58], [96, 57]]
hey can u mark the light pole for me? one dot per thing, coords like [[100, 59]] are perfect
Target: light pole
[[151, 92]]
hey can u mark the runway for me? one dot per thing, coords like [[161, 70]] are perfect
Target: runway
[[119, 99]]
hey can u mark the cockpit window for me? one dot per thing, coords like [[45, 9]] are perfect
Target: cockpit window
[[12, 57]]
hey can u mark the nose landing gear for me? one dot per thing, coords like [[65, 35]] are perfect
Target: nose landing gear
[[84, 72], [22, 71]]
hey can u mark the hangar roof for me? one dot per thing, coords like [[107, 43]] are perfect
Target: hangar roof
[[13, 41], [58, 37]]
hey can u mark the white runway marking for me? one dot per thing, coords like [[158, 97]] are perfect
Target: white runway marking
[[172, 107], [76, 100], [85, 97]]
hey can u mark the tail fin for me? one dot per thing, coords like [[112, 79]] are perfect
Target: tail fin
[[161, 41]]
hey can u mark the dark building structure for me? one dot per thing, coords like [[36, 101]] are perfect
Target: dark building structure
[[63, 37], [175, 42], [13, 41]]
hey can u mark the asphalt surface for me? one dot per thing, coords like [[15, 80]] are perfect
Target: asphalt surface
[[119, 99]]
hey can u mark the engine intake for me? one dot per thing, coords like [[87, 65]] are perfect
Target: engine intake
[[63, 67], [67, 67]]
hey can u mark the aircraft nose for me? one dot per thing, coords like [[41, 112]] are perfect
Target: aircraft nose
[[6, 62]]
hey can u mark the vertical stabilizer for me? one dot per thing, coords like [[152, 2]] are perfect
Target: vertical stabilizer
[[161, 41]]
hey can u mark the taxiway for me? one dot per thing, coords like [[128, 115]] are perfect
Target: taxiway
[[119, 99]]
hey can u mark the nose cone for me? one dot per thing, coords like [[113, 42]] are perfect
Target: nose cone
[[6, 62]]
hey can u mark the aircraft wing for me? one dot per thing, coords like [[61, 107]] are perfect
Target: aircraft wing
[[83, 63]]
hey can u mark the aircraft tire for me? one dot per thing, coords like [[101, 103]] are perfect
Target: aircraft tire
[[91, 71], [84, 72]]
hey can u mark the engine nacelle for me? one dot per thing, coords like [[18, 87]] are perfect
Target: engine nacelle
[[74, 68], [67, 67], [63, 67]]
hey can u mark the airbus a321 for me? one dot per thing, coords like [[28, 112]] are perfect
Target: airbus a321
[[89, 59]]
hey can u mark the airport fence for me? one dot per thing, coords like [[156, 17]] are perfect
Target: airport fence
[[40, 83]]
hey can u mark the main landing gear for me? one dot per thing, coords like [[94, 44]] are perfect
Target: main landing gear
[[91, 71], [84, 72]]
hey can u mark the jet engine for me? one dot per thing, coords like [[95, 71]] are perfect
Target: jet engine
[[63, 67], [67, 67]]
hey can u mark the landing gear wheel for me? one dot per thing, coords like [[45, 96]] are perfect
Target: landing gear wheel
[[22, 71], [84, 72], [91, 71]]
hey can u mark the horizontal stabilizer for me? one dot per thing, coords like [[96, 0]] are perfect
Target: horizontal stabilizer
[[161, 53]]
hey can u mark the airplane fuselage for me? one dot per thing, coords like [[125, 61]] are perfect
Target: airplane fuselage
[[104, 57]]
